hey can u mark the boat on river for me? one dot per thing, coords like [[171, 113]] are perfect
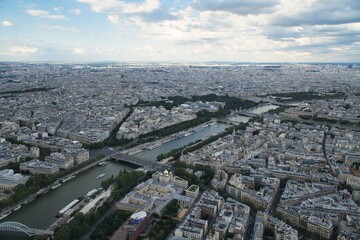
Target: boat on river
[[56, 186], [103, 163], [153, 146], [67, 207], [5, 214], [101, 175], [188, 134], [16, 208], [42, 191], [67, 179]]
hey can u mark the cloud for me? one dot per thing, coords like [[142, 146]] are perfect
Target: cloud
[[188, 28], [75, 11], [319, 36], [58, 9], [310, 12], [243, 7], [159, 15], [206, 48], [6, 23], [60, 28], [45, 14], [113, 19], [19, 50], [106, 51], [147, 49], [240, 30], [79, 51], [143, 7]]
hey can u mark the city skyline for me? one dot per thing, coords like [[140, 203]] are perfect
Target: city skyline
[[195, 30]]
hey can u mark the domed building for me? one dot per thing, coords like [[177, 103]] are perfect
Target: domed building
[[168, 177], [137, 217], [137, 223], [9, 179]]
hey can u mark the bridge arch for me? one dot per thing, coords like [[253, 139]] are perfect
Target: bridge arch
[[18, 227]]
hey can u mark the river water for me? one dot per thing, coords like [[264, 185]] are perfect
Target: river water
[[182, 141], [41, 212]]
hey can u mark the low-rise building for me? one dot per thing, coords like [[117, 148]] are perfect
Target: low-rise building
[[259, 227], [39, 167], [354, 182], [321, 226], [350, 227], [64, 161], [80, 154], [194, 226], [168, 177], [131, 229], [9, 179], [155, 194], [192, 191], [220, 179]]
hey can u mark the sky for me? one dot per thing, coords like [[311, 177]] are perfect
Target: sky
[[180, 30]]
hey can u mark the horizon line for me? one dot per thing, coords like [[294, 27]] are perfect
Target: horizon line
[[175, 62]]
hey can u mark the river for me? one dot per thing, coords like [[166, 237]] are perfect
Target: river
[[42, 211], [263, 109], [182, 141]]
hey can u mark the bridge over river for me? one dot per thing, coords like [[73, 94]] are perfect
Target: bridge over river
[[19, 227], [146, 163]]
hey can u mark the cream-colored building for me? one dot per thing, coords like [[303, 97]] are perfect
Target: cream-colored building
[[323, 227], [39, 167], [9, 179], [192, 191], [354, 182], [155, 194], [64, 161]]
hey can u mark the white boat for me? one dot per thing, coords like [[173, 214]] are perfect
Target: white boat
[[29, 200], [43, 191], [68, 178], [199, 129], [153, 146], [5, 214], [17, 208], [56, 186], [102, 163], [91, 192], [67, 207], [101, 175], [188, 134]]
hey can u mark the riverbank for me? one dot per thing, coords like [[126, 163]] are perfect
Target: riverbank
[[46, 206], [58, 178], [159, 142], [41, 212]]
